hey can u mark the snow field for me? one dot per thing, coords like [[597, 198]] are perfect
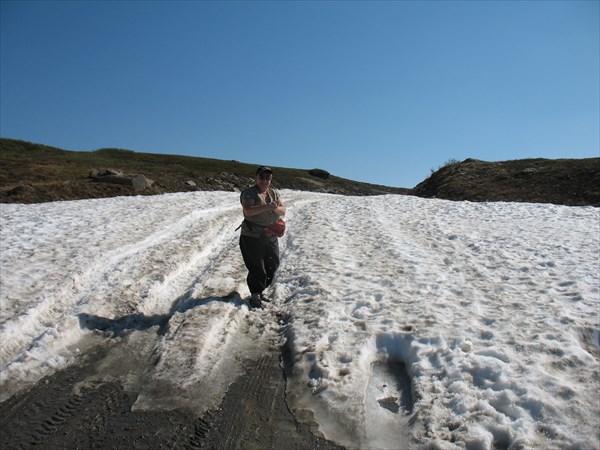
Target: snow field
[[413, 322], [483, 303]]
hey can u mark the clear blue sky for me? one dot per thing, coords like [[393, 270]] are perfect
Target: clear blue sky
[[380, 92]]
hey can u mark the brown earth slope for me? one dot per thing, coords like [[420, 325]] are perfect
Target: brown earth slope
[[33, 173], [573, 182]]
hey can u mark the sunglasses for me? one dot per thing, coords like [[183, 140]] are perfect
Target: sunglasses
[[265, 176]]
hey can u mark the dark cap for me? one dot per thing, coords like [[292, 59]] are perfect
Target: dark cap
[[263, 169]]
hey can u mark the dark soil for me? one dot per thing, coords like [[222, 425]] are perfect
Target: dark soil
[[573, 182], [57, 413]]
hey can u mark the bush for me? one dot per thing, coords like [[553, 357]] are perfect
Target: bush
[[450, 162], [319, 173]]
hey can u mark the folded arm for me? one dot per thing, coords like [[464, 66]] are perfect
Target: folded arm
[[251, 209]]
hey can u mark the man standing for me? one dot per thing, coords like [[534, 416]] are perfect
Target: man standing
[[262, 208]]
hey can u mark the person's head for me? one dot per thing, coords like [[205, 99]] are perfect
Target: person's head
[[264, 175]]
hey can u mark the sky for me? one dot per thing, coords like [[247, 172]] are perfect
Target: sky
[[446, 325], [380, 92]]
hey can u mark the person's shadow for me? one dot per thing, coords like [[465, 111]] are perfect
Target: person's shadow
[[120, 326]]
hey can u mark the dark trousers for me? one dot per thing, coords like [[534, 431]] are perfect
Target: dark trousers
[[261, 256]]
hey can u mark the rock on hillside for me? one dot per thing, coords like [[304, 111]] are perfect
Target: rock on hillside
[[572, 182]]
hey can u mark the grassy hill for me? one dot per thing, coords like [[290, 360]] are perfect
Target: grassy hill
[[32, 173]]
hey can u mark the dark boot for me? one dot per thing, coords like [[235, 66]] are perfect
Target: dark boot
[[255, 301]]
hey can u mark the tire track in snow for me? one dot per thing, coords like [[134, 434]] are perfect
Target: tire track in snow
[[51, 319], [204, 336], [207, 337], [193, 363]]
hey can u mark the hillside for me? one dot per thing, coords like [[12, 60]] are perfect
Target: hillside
[[33, 173], [574, 182]]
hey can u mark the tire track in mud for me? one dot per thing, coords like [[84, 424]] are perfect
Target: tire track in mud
[[40, 415], [61, 411], [75, 409], [234, 426], [255, 413]]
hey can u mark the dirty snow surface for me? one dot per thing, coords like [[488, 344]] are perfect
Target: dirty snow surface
[[409, 322]]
